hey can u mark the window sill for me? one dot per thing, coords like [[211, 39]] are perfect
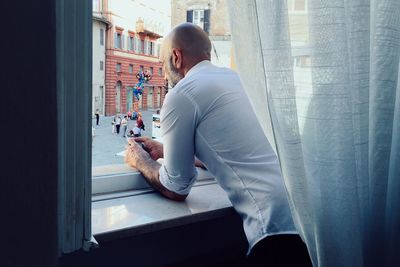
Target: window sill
[[147, 211]]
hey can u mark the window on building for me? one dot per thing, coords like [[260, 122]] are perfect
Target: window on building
[[151, 70], [159, 71], [137, 45], [130, 68], [101, 65], [101, 36], [200, 17], [118, 40], [151, 48], [144, 46], [118, 67], [141, 68], [131, 43]]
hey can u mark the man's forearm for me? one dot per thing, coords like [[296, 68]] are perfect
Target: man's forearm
[[150, 170]]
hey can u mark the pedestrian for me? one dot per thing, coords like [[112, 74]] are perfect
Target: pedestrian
[[113, 128], [118, 124], [194, 125], [129, 115], [124, 124], [137, 132], [134, 115], [139, 121], [97, 117]]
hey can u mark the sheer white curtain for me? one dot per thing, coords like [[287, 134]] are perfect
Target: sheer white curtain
[[323, 78]]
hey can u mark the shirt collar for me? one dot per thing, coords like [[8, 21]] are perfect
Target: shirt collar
[[196, 68]]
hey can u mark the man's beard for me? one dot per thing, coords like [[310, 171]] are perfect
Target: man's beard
[[174, 75]]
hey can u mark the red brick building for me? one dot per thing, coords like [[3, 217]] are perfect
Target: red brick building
[[130, 50]]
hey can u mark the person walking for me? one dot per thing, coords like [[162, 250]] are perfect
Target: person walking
[[194, 125], [139, 121], [97, 117], [118, 124], [113, 128], [124, 124]]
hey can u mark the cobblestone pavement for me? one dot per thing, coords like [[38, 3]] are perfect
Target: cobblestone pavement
[[106, 144]]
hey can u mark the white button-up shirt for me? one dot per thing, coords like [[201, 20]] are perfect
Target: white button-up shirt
[[208, 115]]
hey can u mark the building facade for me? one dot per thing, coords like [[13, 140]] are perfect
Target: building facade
[[100, 24], [133, 40], [212, 17]]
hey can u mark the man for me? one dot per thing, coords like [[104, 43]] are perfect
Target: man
[[97, 117], [195, 124]]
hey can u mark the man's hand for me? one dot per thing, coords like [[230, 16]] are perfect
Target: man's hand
[[138, 158], [154, 148], [134, 154]]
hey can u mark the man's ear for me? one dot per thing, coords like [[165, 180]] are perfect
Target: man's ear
[[177, 58]]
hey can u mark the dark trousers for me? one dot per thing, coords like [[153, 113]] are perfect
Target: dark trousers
[[279, 251], [97, 120], [117, 127]]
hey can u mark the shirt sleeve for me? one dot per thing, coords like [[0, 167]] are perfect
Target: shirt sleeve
[[178, 122]]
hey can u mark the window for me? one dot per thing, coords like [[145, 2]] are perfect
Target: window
[[141, 68], [151, 48], [130, 68], [151, 70], [101, 36], [200, 17], [137, 45], [118, 67], [159, 71], [131, 43], [101, 65], [144, 47], [118, 40]]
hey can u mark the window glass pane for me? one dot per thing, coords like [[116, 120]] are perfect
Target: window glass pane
[[118, 40]]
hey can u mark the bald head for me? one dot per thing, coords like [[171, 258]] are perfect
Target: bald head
[[185, 46], [192, 40]]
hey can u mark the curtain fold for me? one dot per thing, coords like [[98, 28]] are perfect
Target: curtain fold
[[323, 78]]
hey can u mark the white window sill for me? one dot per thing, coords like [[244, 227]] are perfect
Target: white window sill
[[124, 204]]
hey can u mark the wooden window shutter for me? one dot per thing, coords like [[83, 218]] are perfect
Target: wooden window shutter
[[207, 20], [189, 16]]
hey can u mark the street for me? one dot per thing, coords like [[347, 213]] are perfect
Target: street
[[106, 145]]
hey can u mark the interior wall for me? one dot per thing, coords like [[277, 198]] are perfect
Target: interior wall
[[29, 134]]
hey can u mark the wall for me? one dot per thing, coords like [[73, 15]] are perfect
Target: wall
[[28, 181]]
